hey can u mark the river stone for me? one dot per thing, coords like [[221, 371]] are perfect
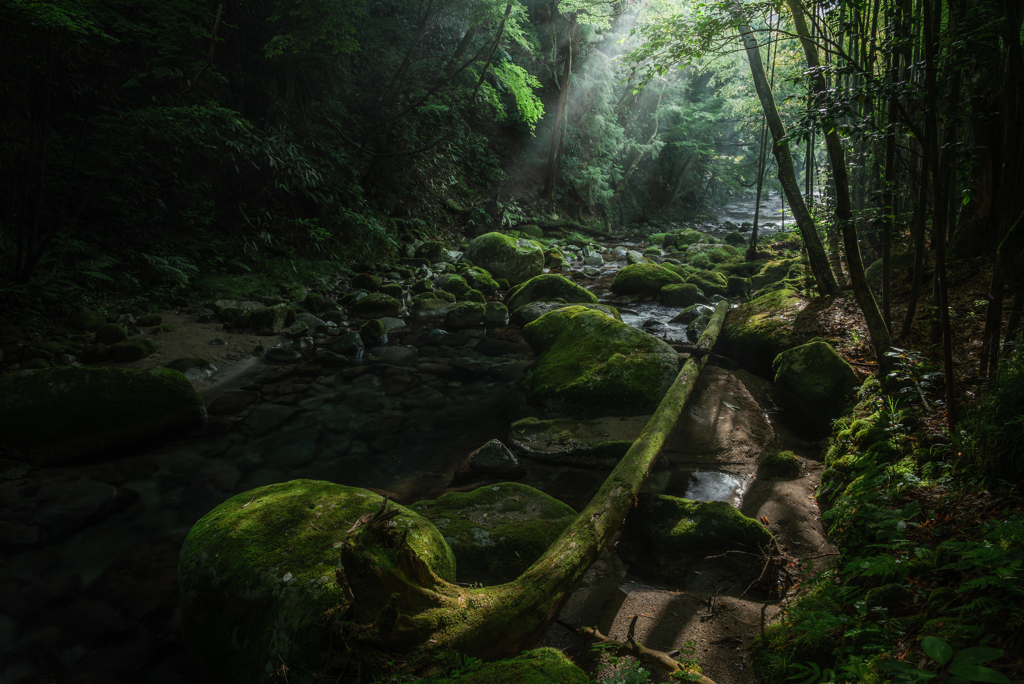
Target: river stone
[[818, 381], [186, 364], [492, 461], [377, 305], [495, 314], [598, 443], [590, 364], [465, 315], [515, 260], [430, 308], [396, 355], [374, 333], [258, 573], [497, 531], [479, 279], [314, 324], [643, 278], [88, 320], [667, 532], [710, 282], [432, 252], [232, 402], [282, 355], [547, 287], [534, 310], [132, 350], [268, 320], [755, 332], [679, 295], [350, 343], [111, 333], [331, 360], [776, 270], [60, 415]]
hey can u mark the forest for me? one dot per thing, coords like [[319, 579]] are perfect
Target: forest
[[272, 271]]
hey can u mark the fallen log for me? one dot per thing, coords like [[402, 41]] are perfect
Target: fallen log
[[401, 607]]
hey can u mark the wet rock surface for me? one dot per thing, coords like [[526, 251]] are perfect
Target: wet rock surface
[[89, 578]]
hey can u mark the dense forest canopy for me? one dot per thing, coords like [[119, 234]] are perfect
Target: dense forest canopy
[[195, 151]]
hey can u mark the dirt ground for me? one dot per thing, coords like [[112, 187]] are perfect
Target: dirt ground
[[719, 603]]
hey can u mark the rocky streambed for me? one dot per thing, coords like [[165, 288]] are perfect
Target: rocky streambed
[[88, 585]]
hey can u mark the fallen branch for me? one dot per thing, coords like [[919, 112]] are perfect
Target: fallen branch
[[427, 614], [632, 647]]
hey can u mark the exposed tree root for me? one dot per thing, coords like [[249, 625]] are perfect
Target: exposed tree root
[[632, 647]]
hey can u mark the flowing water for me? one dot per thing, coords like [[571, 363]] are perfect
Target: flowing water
[[97, 601]]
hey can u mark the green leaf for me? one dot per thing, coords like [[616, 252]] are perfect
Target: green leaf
[[898, 668], [978, 673], [976, 655], [937, 649]]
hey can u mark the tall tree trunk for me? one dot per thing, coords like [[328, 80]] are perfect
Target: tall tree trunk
[[877, 329], [787, 175], [551, 181]]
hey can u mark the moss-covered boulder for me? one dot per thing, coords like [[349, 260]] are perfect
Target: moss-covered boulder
[[374, 333], [269, 320], [497, 531], [528, 313], [456, 285], [377, 305], [682, 240], [667, 531], [777, 269], [679, 295], [514, 259], [547, 287], [257, 574], [710, 282], [590, 364], [465, 315], [132, 350], [59, 415], [757, 331], [599, 443], [539, 666], [738, 285], [818, 381], [365, 281], [782, 465], [735, 239], [479, 279], [313, 302], [432, 252], [495, 314], [394, 290], [86, 319], [111, 333], [643, 278]]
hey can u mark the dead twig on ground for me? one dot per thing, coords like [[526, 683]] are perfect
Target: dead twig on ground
[[632, 647]]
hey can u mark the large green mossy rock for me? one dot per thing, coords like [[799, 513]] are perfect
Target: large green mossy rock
[[514, 259], [1010, 257], [257, 574], [683, 295], [539, 666], [590, 364], [377, 305], [643, 278], [479, 279], [710, 282], [59, 415], [669, 531], [778, 269], [546, 287], [528, 313], [818, 381], [497, 531], [757, 331]]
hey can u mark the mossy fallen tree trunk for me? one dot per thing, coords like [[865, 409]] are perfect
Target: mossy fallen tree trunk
[[397, 605]]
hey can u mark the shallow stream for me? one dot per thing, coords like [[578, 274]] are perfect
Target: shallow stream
[[97, 602]]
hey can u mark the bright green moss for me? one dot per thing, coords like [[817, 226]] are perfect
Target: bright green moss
[[539, 666], [641, 278]]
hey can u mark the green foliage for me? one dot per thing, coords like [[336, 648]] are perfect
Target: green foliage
[[991, 436], [966, 666]]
